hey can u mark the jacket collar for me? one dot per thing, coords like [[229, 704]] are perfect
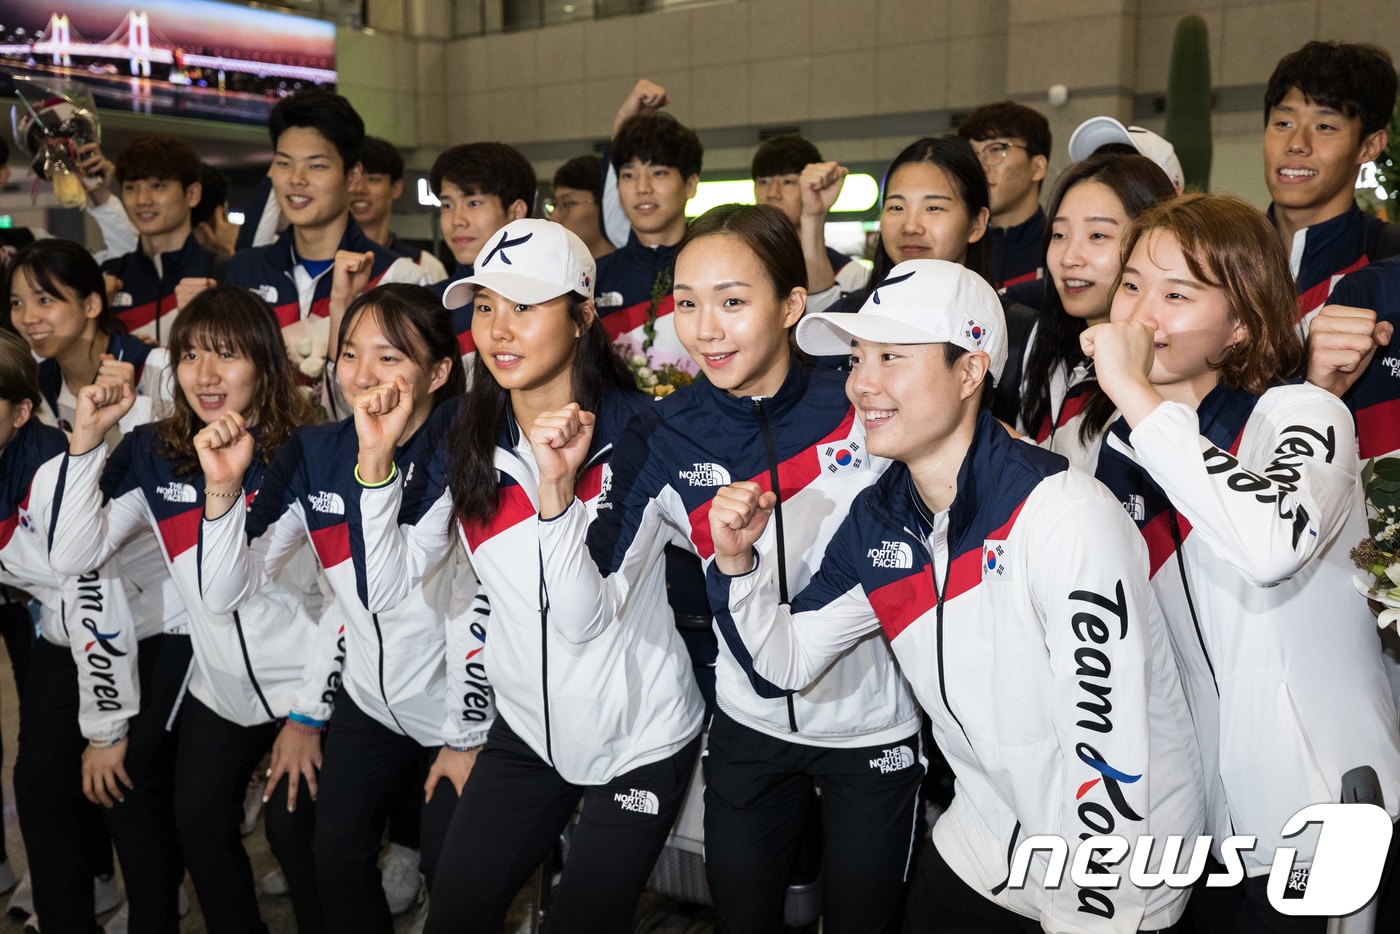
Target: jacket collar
[[787, 398], [353, 240]]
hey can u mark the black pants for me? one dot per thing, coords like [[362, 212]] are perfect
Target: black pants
[[216, 756], [511, 813], [48, 792], [17, 629], [757, 794], [365, 768]]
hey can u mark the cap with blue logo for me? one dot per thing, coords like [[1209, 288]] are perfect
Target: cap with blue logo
[[528, 261], [921, 301]]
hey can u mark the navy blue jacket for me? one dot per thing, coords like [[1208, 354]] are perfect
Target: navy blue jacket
[[1332, 249], [1018, 253], [1375, 399], [146, 296]]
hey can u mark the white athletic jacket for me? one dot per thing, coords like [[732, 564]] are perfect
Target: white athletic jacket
[[1024, 619], [593, 708], [1249, 507], [250, 665]]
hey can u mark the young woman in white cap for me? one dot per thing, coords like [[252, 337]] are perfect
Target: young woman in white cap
[[1244, 487], [1014, 593], [611, 718], [387, 731], [761, 413]]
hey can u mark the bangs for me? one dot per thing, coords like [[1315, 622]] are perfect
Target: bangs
[[205, 327]]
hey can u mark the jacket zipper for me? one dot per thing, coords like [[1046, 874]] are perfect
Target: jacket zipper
[[778, 516], [544, 661], [1190, 603], [384, 691], [248, 664], [1010, 855]]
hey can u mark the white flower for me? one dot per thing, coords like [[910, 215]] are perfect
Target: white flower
[[645, 373], [1388, 618], [1393, 572], [303, 348], [639, 360]]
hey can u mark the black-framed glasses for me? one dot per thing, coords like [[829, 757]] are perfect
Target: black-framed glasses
[[562, 206], [995, 153]]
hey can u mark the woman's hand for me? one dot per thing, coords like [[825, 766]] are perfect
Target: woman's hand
[[100, 406], [1122, 354], [381, 414], [560, 441], [104, 774], [738, 515], [296, 753], [225, 449], [452, 765]]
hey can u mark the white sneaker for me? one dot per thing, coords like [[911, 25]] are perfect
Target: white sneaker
[[21, 903], [402, 883], [274, 883], [252, 806], [106, 894]]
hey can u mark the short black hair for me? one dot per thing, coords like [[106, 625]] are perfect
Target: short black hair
[[381, 157], [157, 156], [213, 194], [581, 173], [1008, 118], [486, 169], [783, 155], [326, 112], [658, 139], [1357, 79]]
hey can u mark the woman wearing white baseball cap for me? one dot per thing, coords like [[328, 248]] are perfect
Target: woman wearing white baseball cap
[[1106, 135], [612, 719], [1014, 593]]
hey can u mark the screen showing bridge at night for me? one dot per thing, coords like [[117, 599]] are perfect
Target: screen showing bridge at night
[[180, 58]]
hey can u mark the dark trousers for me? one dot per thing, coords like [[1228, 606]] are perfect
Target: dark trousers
[[48, 792], [511, 813], [216, 756], [365, 768], [758, 791], [17, 629]]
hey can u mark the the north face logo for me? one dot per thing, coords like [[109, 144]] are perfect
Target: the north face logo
[[1136, 507], [893, 760], [266, 292], [642, 802], [123, 300], [177, 493], [1392, 364], [608, 300], [891, 555], [705, 475], [330, 503], [408, 476]]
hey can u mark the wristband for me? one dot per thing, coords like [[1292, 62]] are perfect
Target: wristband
[[212, 495], [393, 472], [308, 726], [107, 743], [462, 748]]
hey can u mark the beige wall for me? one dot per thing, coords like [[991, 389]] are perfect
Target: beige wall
[[821, 65]]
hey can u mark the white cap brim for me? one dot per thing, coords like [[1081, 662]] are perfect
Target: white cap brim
[[1096, 132], [828, 334], [526, 290]]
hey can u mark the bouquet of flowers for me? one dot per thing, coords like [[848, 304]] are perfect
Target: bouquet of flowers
[[51, 126], [307, 341], [660, 380], [1378, 555]]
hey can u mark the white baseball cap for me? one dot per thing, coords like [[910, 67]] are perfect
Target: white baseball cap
[[921, 301], [1100, 131], [528, 261]]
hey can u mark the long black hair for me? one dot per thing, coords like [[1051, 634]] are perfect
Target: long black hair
[[1139, 183], [958, 160], [64, 269], [472, 438]]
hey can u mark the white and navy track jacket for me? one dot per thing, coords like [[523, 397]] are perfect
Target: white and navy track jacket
[[1249, 506], [593, 708], [1322, 254], [1026, 623], [1375, 399], [145, 303], [249, 665], [393, 660], [634, 281], [86, 612], [155, 384], [805, 443]]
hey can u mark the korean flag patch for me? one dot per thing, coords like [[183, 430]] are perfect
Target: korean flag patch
[[841, 457], [974, 331], [996, 560]]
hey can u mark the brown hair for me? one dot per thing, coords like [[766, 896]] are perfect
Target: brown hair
[[233, 317], [1230, 245], [19, 372]]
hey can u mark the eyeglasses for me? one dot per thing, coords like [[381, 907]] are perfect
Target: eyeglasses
[[994, 153], [561, 207]]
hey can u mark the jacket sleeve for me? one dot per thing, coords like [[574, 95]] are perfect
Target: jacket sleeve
[[314, 700], [102, 638], [1270, 516], [629, 532], [786, 647], [470, 702], [119, 236], [1088, 570], [399, 555], [84, 530]]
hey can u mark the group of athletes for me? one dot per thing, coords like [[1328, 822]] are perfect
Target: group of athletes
[[1058, 499]]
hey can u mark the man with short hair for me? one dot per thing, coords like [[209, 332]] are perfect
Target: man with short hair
[[577, 202], [1013, 143], [212, 228], [372, 197], [1326, 109], [158, 179]]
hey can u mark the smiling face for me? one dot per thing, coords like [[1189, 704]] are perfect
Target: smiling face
[[309, 179], [783, 192], [158, 206], [1311, 156], [469, 219], [526, 347], [216, 381], [53, 324], [1083, 256], [729, 318], [924, 216], [368, 359], [653, 198], [372, 196], [1191, 321]]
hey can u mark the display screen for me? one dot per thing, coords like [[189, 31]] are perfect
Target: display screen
[[179, 58]]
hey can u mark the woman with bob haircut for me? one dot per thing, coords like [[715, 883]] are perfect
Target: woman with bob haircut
[[385, 726], [1244, 484], [252, 669]]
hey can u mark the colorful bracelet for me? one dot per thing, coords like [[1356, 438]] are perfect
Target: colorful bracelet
[[393, 472], [462, 748], [212, 495], [300, 723]]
